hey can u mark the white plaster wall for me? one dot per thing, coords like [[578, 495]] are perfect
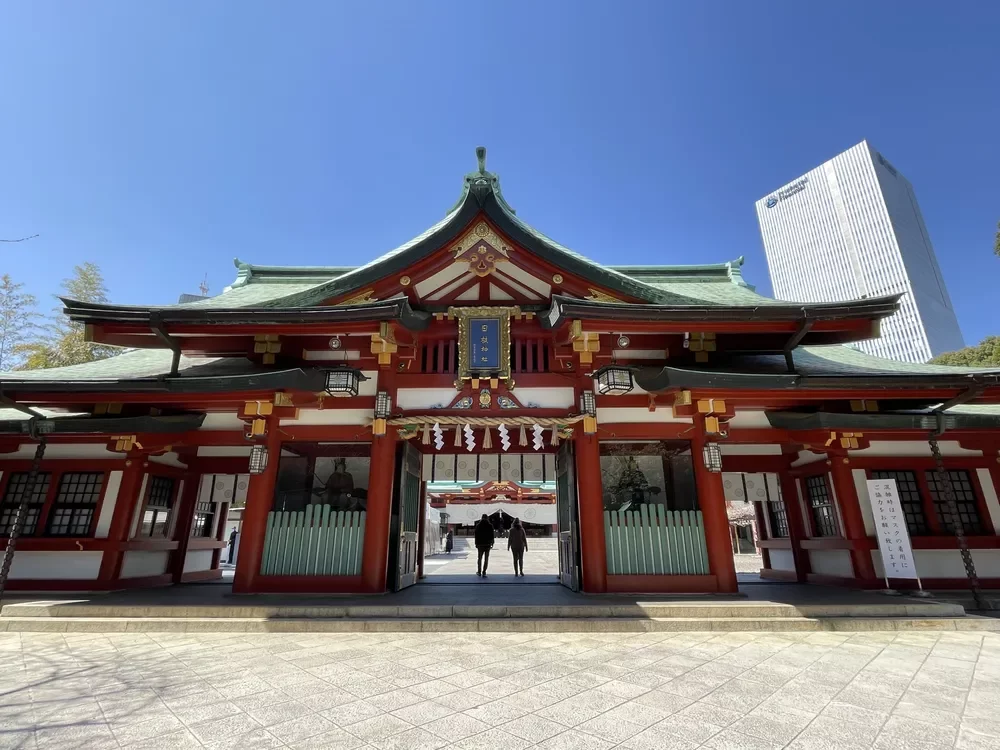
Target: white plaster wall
[[331, 355], [831, 562], [78, 566], [546, 398], [114, 481], [330, 415], [142, 563], [368, 387], [913, 448], [198, 559], [229, 451], [860, 477], [626, 414], [222, 421], [808, 457], [65, 450], [736, 449], [750, 418], [782, 559], [647, 354], [425, 398], [947, 563], [168, 459], [990, 495]]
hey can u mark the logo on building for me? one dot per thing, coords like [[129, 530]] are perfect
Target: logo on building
[[787, 192]]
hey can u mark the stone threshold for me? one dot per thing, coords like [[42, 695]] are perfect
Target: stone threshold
[[526, 624], [638, 610]]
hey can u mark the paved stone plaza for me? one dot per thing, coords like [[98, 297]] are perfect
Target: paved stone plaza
[[663, 691]]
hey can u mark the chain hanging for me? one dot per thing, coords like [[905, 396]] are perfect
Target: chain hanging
[[22, 511], [951, 503]]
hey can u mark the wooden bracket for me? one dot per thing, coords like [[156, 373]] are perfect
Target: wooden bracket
[[585, 343], [267, 344], [384, 343]]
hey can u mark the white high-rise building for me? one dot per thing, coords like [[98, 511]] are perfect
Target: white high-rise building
[[851, 229]]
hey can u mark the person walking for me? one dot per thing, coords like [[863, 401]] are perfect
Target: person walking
[[232, 545], [449, 542], [517, 543], [484, 543]]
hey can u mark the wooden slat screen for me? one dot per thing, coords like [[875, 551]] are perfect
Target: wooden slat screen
[[655, 541], [313, 541]]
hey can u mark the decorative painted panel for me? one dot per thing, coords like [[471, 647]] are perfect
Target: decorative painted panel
[[655, 541], [313, 541]]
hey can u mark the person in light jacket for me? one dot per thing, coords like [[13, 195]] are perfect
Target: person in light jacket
[[484, 543], [517, 543]]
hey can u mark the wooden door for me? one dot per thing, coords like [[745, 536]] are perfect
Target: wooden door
[[410, 488], [566, 514]]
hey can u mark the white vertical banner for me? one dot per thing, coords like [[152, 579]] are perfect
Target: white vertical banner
[[890, 525]]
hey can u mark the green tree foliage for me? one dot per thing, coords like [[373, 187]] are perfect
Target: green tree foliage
[[987, 354], [65, 342], [18, 322], [996, 242]]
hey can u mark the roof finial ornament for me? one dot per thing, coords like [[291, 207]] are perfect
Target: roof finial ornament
[[481, 158]]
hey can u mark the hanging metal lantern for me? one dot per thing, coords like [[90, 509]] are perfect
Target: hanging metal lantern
[[711, 454], [343, 381], [258, 459], [613, 380], [383, 405], [588, 404]]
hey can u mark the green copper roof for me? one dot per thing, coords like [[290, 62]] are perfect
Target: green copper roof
[[284, 286]]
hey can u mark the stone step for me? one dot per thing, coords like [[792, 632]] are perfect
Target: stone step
[[638, 610], [546, 625]]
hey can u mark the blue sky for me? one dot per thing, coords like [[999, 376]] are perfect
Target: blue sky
[[162, 139]]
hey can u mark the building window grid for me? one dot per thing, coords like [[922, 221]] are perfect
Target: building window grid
[[156, 518], [965, 498], [910, 499], [75, 504], [821, 507], [204, 518], [778, 518], [16, 486]]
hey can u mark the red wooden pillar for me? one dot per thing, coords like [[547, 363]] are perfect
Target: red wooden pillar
[[260, 499], [796, 524], [378, 511], [854, 522], [121, 520], [712, 500], [593, 549], [182, 528]]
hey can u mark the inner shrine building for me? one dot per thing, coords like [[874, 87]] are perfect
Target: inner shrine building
[[623, 406]]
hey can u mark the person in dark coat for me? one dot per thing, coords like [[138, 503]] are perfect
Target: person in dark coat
[[484, 543], [449, 542], [517, 543], [232, 544]]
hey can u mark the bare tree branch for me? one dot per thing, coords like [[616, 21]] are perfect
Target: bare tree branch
[[22, 239]]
